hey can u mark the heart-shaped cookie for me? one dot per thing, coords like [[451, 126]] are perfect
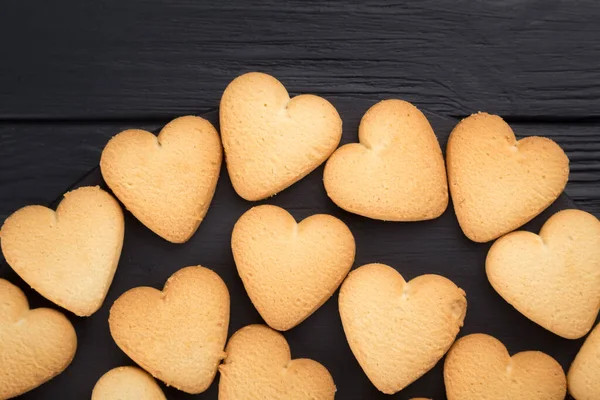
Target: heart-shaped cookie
[[396, 172], [479, 367], [69, 256], [399, 330], [270, 140], [584, 374], [498, 183], [290, 269], [177, 335], [127, 383], [35, 345], [554, 278], [167, 182], [259, 366]]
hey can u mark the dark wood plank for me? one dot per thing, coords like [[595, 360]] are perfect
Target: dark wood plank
[[73, 59]]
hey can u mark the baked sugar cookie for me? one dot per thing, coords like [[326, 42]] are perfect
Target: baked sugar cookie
[[270, 140], [259, 366], [69, 256], [498, 183], [177, 335], [127, 383], [554, 278], [399, 330], [167, 182], [290, 269], [479, 367], [396, 172], [584, 374], [35, 345]]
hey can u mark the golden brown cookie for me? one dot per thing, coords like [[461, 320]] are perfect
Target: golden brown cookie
[[554, 278], [177, 335], [396, 172], [399, 330], [479, 367], [584, 374], [270, 140], [167, 182], [35, 345], [69, 256], [127, 383], [259, 366], [290, 269], [498, 183]]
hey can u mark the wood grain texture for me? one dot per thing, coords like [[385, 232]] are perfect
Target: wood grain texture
[[39, 160], [137, 58], [437, 246]]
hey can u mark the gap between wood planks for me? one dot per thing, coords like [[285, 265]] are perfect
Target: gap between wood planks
[[145, 119]]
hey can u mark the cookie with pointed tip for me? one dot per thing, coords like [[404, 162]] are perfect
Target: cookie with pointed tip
[[259, 366], [290, 269], [399, 330], [166, 182], [270, 140], [127, 383], [35, 344], [584, 375], [177, 335], [554, 278], [69, 256], [497, 183], [396, 172], [479, 367]]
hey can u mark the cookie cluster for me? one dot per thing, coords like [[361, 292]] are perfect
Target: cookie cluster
[[397, 329]]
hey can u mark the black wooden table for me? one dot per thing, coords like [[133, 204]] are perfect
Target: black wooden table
[[73, 74]]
